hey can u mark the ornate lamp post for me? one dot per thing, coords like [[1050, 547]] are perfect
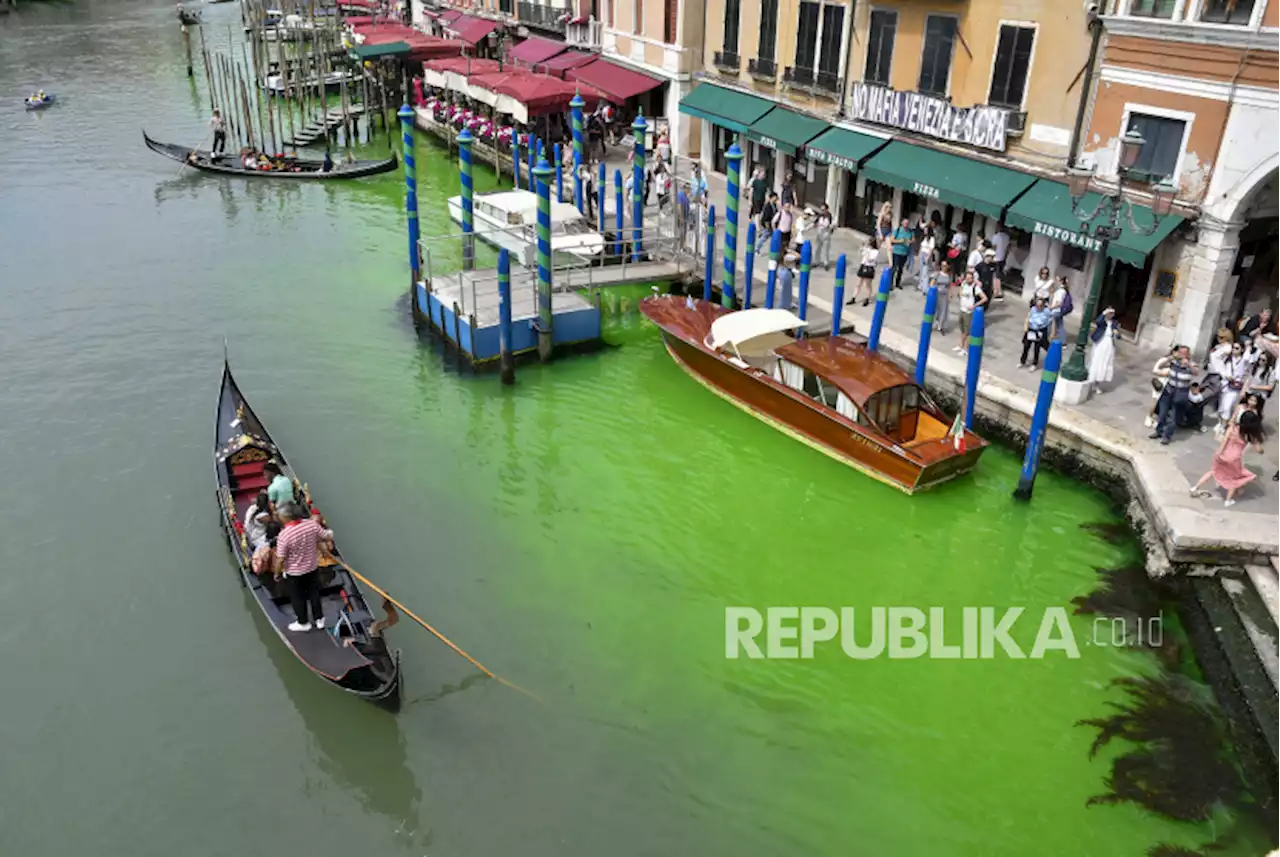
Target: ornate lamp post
[[1106, 231]]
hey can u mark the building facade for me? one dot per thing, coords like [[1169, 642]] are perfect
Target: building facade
[[1198, 80]]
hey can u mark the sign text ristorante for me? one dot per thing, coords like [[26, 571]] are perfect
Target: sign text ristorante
[[981, 126]]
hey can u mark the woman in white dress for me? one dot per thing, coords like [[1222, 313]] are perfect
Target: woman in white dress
[[1102, 361]]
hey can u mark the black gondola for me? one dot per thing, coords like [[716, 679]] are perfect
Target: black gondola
[[296, 168], [350, 652]]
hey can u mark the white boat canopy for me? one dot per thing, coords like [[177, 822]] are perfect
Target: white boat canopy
[[756, 331]]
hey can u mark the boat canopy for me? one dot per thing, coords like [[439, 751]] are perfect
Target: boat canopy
[[754, 330]]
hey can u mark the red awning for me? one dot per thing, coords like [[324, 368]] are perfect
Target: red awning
[[558, 65], [617, 83], [535, 50], [472, 30], [428, 48], [449, 16], [540, 93], [462, 65]]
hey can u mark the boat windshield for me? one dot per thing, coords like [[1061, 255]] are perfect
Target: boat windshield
[[576, 226], [905, 413]]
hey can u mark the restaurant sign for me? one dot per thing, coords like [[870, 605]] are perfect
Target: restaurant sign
[[1068, 236], [831, 158], [981, 126]]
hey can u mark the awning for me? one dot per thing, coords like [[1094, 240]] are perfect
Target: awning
[[449, 16], [735, 328], [785, 130], [386, 49], [970, 184], [561, 63], [727, 108], [535, 50], [1046, 209], [842, 148], [615, 82], [472, 30]]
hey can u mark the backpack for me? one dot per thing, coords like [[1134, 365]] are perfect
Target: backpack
[[1067, 305]]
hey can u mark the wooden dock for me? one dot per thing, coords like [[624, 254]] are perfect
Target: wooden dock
[[318, 128]]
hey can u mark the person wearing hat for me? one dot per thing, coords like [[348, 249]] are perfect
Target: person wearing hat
[[986, 269], [1102, 357]]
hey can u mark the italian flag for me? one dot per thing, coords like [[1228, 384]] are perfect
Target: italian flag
[[957, 431]]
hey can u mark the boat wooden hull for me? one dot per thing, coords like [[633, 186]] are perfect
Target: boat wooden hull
[[809, 422]]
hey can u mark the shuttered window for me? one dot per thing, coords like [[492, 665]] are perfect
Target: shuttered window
[[1013, 62], [807, 36], [670, 21], [832, 39], [935, 62], [731, 16], [884, 27], [768, 30]]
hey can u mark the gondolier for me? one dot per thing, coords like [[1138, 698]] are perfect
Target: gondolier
[[219, 126]]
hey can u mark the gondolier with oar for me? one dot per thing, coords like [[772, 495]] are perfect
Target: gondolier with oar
[[219, 126]]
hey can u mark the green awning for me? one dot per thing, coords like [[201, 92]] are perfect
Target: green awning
[[1046, 209], [727, 108], [842, 148], [785, 130], [961, 181], [387, 49]]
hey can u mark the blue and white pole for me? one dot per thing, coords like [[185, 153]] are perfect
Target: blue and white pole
[[734, 156], [775, 253], [749, 264], [882, 304], [710, 269], [542, 176], [532, 157], [410, 190], [559, 173], [837, 295], [601, 188], [468, 208], [806, 262], [575, 107], [926, 333], [618, 213], [515, 159], [639, 128], [977, 331], [508, 363], [1039, 421]]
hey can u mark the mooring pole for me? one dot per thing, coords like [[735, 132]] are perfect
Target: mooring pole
[[749, 265], [601, 189], [559, 156], [977, 330], [575, 107], [1039, 421], [639, 127], [806, 263], [410, 189], [775, 251], [882, 304], [532, 159], [711, 253], [734, 156], [926, 332], [837, 296], [542, 175], [515, 158], [468, 209], [186, 46], [508, 362], [618, 212]]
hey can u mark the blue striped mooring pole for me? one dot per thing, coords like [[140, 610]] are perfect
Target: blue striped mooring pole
[[410, 191], [601, 187], [710, 270], [1039, 421], [749, 265], [882, 304], [542, 176], [575, 108], [515, 159], [806, 262], [775, 251], [837, 295], [508, 362], [559, 155], [468, 206], [619, 213], [926, 333], [532, 157], [977, 331], [734, 157], [639, 128]]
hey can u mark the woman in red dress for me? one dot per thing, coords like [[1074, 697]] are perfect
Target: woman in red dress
[[1228, 463]]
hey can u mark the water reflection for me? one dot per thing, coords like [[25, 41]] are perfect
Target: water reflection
[[360, 745]]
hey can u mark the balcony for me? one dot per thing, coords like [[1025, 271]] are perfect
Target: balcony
[[727, 61], [541, 17], [815, 82], [588, 34], [763, 69]]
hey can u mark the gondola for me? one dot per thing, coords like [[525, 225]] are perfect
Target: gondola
[[350, 652], [306, 169], [190, 19], [40, 103]]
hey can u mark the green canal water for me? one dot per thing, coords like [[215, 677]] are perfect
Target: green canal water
[[582, 534]]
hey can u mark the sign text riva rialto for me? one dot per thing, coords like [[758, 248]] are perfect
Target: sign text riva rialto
[[981, 126]]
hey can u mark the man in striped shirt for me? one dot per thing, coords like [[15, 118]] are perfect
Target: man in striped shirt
[[298, 547], [1173, 401]]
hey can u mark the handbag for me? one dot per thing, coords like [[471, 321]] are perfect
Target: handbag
[[953, 253]]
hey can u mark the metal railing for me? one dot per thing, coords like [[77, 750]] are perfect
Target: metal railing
[[587, 34], [541, 16], [765, 69], [727, 60], [813, 80]]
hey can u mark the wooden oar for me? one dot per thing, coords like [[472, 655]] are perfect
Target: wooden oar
[[441, 637], [196, 151]]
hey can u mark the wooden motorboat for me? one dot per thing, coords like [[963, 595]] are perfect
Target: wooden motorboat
[[294, 168], [507, 219], [350, 652], [831, 393]]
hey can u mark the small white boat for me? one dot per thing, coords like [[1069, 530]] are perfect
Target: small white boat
[[507, 219]]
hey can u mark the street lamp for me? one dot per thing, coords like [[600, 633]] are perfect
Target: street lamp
[[1079, 181]]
